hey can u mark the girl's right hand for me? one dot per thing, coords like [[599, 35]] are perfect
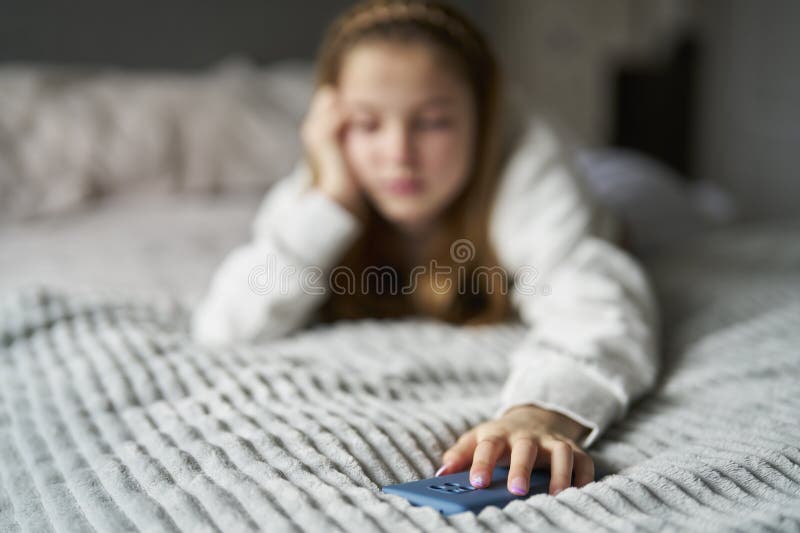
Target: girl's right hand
[[322, 133]]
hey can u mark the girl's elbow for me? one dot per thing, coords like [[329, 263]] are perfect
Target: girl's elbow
[[209, 328]]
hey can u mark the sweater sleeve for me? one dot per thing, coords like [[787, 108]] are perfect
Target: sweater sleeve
[[592, 345], [272, 284]]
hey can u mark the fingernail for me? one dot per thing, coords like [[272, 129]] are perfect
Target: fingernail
[[519, 486], [477, 481], [442, 469]]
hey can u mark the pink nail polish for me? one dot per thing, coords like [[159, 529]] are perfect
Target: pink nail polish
[[519, 486], [477, 481], [442, 469]]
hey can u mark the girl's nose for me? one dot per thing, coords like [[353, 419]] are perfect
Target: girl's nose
[[399, 144]]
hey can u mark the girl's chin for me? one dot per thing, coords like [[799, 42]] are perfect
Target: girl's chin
[[410, 221]]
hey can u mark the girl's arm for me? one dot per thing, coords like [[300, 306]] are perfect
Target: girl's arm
[[272, 285], [592, 347]]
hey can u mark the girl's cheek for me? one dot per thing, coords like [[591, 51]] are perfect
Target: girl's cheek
[[356, 152], [444, 155], [360, 157], [445, 143]]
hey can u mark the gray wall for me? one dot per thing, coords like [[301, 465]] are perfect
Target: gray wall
[[750, 103], [168, 34]]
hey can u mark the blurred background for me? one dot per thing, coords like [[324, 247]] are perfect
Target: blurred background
[[117, 99]]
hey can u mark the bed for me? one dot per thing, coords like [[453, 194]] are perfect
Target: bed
[[112, 419]]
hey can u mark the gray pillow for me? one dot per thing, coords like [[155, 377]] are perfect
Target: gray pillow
[[658, 206]]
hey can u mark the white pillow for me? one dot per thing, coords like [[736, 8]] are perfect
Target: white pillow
[[68, 134]]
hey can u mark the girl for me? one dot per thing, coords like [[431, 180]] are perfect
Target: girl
[[411, 161]]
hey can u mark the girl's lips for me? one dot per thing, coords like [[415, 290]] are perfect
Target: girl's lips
[[404, 186]]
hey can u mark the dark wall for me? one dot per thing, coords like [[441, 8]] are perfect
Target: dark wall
[[655, 109], [168, 33]]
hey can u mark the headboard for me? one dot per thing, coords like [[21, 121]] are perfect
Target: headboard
[[177, 34]]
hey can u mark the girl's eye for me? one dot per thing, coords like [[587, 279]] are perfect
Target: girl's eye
[[364, 125], [435, 123]]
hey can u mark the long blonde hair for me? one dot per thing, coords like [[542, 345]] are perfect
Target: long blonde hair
[[474, 298]]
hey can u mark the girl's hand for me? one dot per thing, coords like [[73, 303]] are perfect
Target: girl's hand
[[525, 437], [322, 132]]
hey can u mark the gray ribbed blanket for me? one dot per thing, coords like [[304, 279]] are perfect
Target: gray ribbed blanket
[[112, 420]]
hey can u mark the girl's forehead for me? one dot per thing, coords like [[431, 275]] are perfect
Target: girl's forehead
[[392, 64], [376, 77], [437, 101]]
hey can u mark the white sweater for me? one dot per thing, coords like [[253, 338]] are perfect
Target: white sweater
[[593, 342]]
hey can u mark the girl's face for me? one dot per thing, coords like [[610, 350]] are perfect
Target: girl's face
[[411, 131]]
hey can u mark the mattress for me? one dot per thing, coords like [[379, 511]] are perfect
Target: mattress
[[112, 419]]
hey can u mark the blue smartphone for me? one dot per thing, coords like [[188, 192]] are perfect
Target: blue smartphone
[[453, 493]]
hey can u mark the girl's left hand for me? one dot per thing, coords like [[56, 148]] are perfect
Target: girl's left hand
[[525, 437]]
